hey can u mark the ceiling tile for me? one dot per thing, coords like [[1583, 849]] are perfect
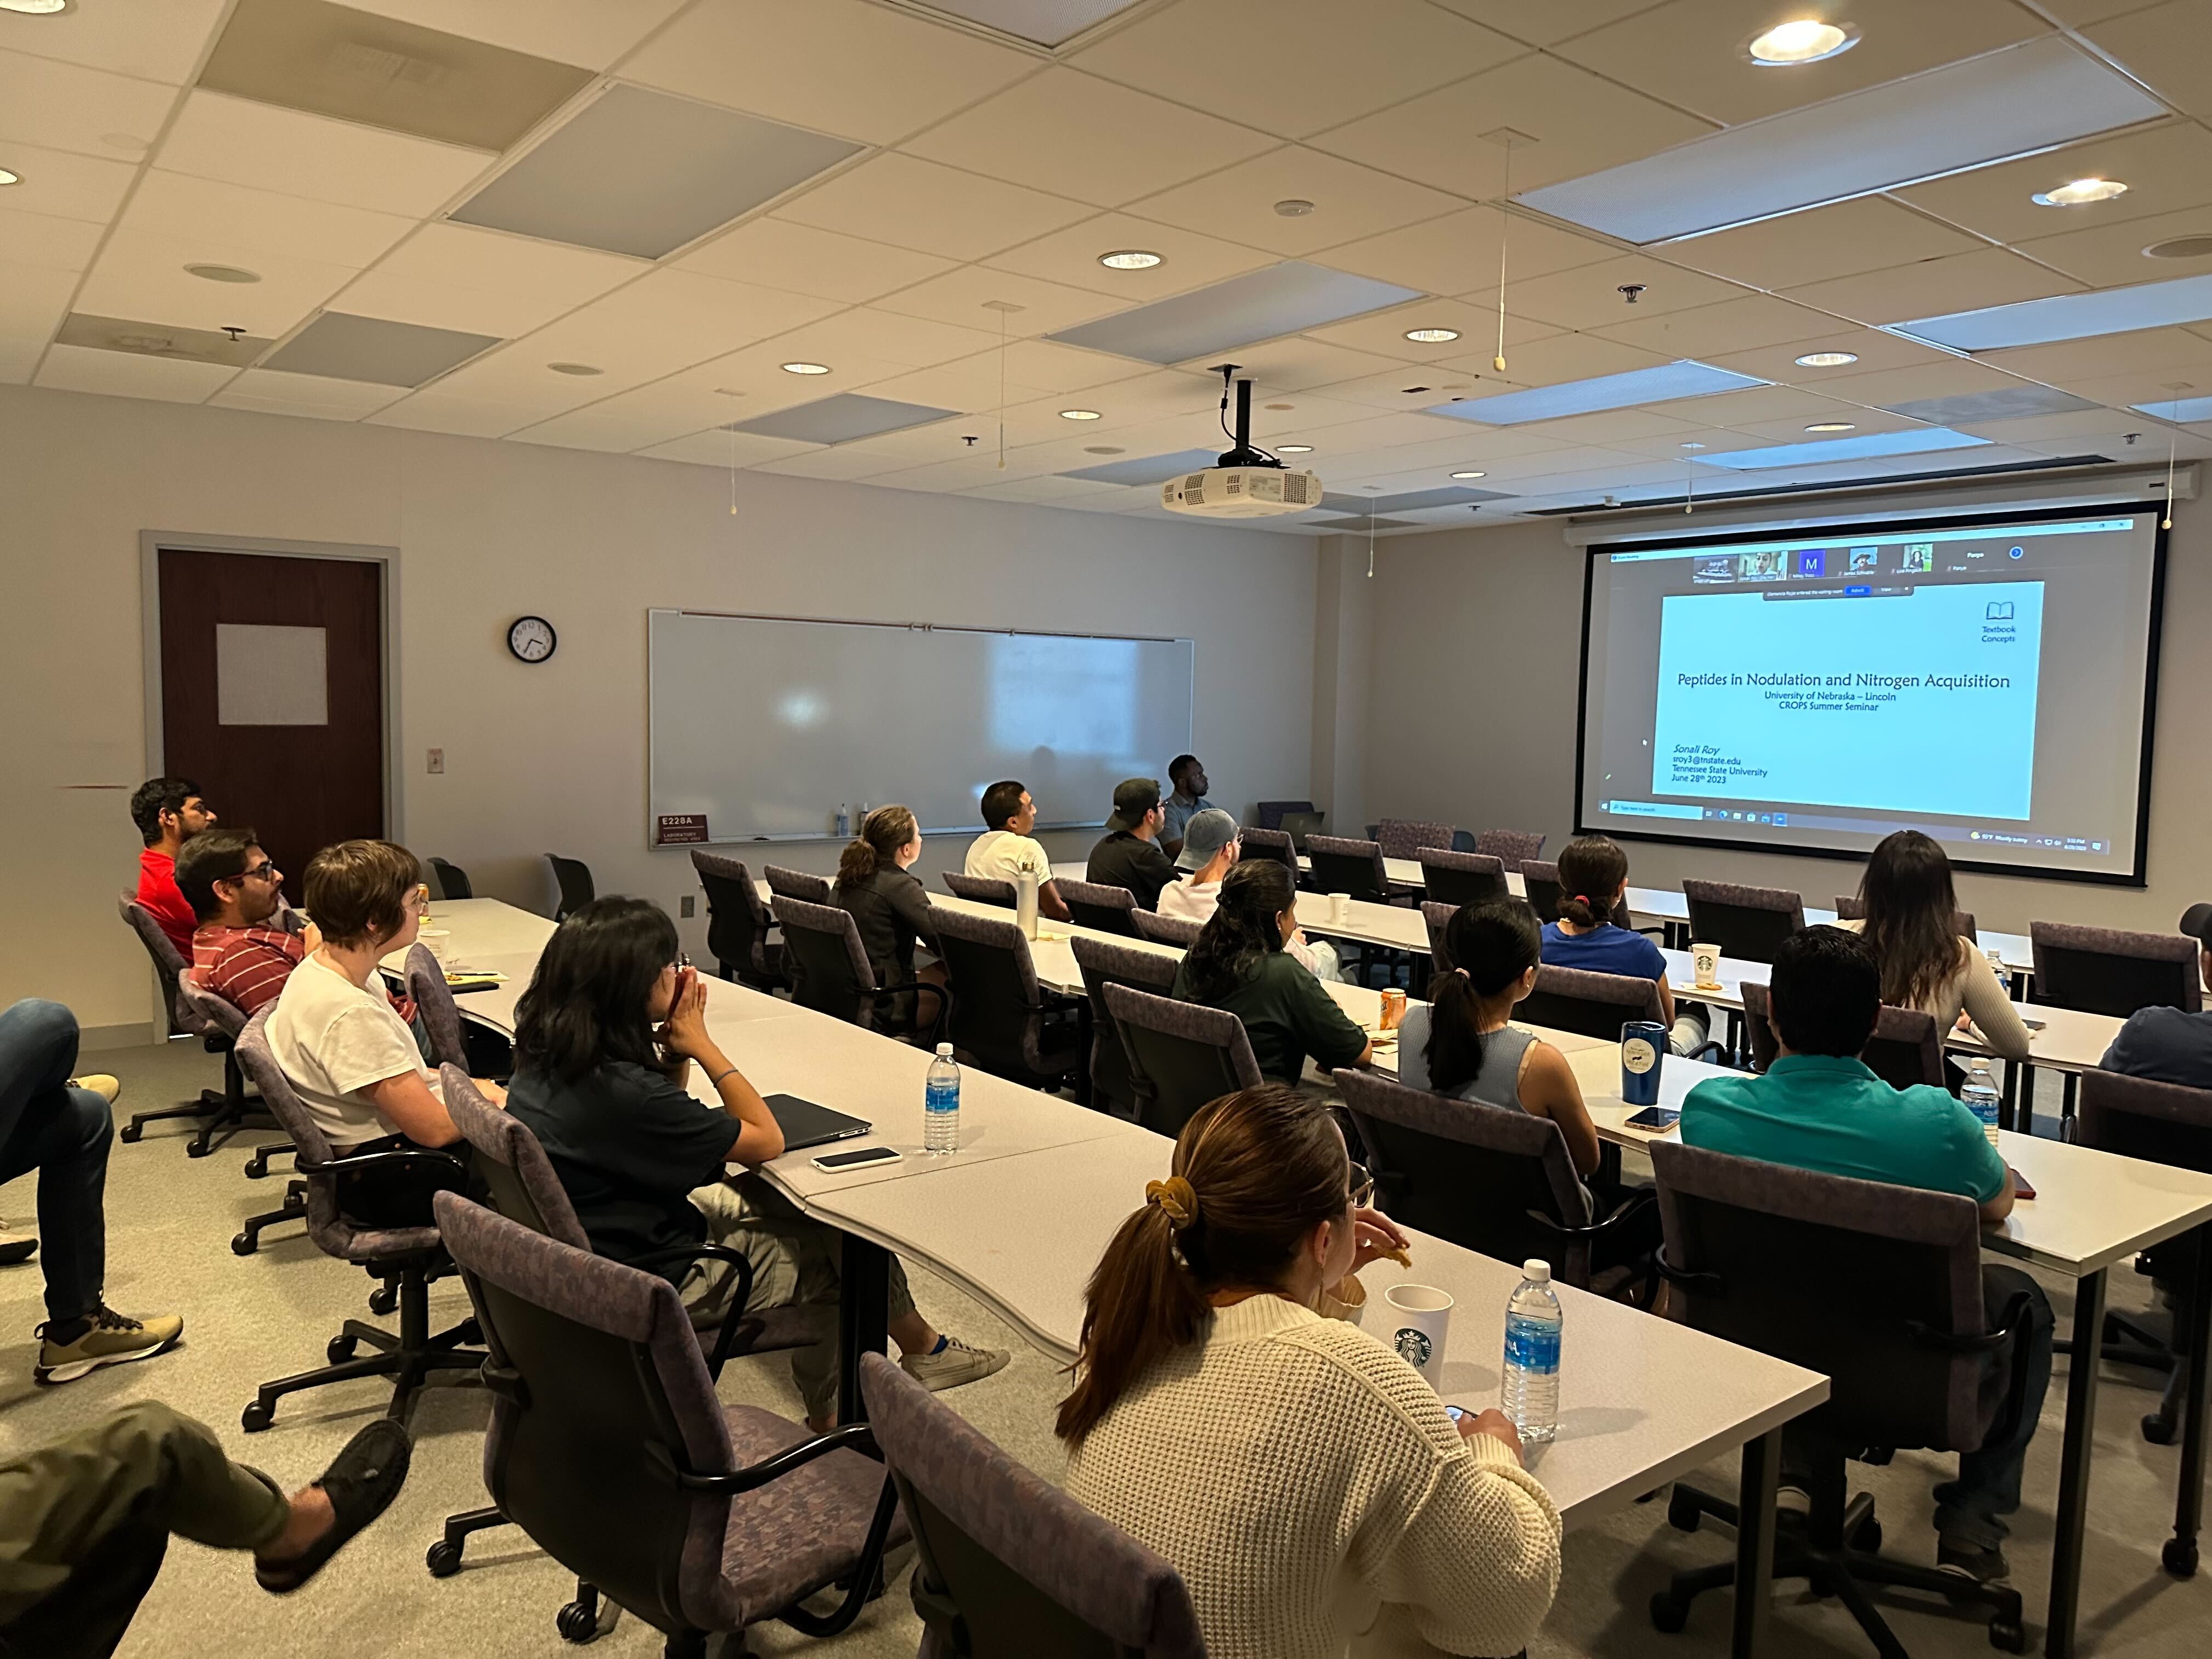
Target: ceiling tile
[[1955, 377], [2169, 47], [275, 392], [2164, 167], [2147, 352], [155, 39], [1589, 296], [960, 296], [1689, 53], [778, 253], [725, 449], [517, 374], [1052, 366], [2111, 256], [42, 240], [589, 33], [1458, 253], [882, 336], [66, 106], [1384, 331], [281, 150], [66, 184], [613, 425], [1550, 361], [464, 256], [33, 299], [1742, 325], [2122, 391], [341, 346], [841, 461], [841, 66], [1300, 364], [1935, 287], [911, 202], [1841, 240], [1348, 60], [504, 312], [142, 275], [1350, 201], [1873, 350], [437, 410], [1076, 135], [706, 316], [1049, 491], [1188, 260], [1581, 123], [126, 374], [249, 222], [1417, 385], [1543, 23]]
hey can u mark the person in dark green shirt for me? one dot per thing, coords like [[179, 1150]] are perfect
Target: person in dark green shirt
[[1818, 1106], [1238, 964]]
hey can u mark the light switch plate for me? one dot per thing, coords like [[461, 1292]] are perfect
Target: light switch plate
[[437, 760], [689, 906]]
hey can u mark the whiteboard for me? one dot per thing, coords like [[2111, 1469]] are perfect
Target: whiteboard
[[762, 725]]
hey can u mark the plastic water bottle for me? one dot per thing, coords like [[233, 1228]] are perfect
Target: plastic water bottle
[[941, 1116], [1980, 1097], [844, 823], [1532, 1355]]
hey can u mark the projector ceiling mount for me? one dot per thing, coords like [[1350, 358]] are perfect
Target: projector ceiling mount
[[1245, 482]]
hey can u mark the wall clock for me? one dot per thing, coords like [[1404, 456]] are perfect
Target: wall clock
[[531, 638]]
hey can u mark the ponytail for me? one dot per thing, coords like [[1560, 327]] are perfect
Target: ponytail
[[884, 832], [1491, 946], [1254, 1173], [1243, 929], [1592, 869]]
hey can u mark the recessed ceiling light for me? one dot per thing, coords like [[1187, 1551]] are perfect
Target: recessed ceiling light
[[1282, 405], [1832, 426], [1294, 207], [1078, 414], [1470, 475], [806, 368], [1431, 336], [1827, 359], [2179, 247], [1802, 40], [1294, 449], [9, 178], [35, 7], [2080, 193], [1129, 258], [1103, 449], [223, 274], [1690, 446], [576, 368]]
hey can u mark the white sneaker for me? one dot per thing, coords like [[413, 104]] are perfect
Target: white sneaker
[[951, 1364]]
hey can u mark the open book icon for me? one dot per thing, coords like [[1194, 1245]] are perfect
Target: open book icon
[[1998, 610]]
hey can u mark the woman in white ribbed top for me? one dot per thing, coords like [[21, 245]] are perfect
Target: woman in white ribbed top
[[1302, 1478], [1926, 964]]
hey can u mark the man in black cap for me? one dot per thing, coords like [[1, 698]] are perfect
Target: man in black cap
[[2166, 1044], [1130, 856]]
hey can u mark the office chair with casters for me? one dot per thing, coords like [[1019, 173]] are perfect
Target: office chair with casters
[[201, 1009], [1905, 1048], [1102, 910], [1849, 907], [1180, 1055], [834, 976], [1511, 848], [405, 1258], [478, 1050], [1002, 1019], [796, 884], [1408, 838], [1007, 1565], [1348, 866], [1302, 826], [609, 1450], [1112, 1087], [573, 878], [981, 890], [738, 923], [1748, 923], [216, 1023], [1264, 843], [1540, 885], [1269, 814], [1593, 1004], [1882, 1289], [1457, 878], [452, 880], [1178, 931], [1499, 1182], [2108, 970]]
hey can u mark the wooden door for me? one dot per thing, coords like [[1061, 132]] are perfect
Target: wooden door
[[272, 695]]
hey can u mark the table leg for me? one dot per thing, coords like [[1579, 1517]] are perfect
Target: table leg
[[1754, 1542], [2073, 1457], [863, 1312], [1083, 1039], [2179, 1555]]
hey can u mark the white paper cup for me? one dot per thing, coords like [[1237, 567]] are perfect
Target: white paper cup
[[1420, 1316], [438, 941], [1340, 908], [1706, 967]]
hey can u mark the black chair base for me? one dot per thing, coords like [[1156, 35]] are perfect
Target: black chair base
[[224, 1112], [2127, 1343], [410, 1358], [257, 1167], [1834, 1549], [578, 1620], [248, 1238]]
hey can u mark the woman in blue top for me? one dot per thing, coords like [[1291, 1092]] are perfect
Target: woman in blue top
[[1593, 873]]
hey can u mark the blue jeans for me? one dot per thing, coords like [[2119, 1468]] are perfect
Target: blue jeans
[[64, 1134], [1970, 1511]]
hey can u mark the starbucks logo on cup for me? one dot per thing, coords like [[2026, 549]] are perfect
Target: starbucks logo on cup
[[1414, 1346], [1637, 1055]]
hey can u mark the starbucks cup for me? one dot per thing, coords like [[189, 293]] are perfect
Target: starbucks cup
[[1421, 1315], [1706, 966], [1642, 1045]]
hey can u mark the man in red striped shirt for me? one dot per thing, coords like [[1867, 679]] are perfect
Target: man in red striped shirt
[[168, 812]]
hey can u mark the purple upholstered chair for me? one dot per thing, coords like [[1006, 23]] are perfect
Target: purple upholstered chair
[[1180, 1055], [980, 890], [1002, 1019], [1113, 1088], [206, 1017], [1748, 923], [1457, 878], [1178, 931], [832, 974], [738, 923], [1404, 838], [1511, 848], [1905, 1048]]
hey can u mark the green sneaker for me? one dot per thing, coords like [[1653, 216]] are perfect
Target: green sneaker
[[107, 1338]]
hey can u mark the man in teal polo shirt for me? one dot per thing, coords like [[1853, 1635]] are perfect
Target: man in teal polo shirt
[[1819, 1108]]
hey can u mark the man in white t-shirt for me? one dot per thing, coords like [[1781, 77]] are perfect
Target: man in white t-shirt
[[1212, 844], [1004, 850]]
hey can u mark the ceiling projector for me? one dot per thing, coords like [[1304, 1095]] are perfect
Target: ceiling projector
[[1243, 482]]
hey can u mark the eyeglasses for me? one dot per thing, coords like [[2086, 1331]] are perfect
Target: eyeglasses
[[419, 900], [1363, 1188], [683, 961], [263, 872]]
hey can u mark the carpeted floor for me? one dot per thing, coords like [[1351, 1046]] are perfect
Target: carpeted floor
[[247, 1320]]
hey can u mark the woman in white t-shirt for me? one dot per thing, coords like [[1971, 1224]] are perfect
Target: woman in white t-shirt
[[1212, 844], [1006, 850]]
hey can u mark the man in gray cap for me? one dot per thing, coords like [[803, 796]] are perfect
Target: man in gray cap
[[1129, 855], [2166, 1044], [1212, 844]]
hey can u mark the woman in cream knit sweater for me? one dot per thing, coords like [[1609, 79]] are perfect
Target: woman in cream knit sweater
[[1926, 963], [1304, 1479]]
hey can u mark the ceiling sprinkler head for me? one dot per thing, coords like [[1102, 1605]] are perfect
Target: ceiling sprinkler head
[[970, 438], [2131, 437], [233, 330], [1629, 291]]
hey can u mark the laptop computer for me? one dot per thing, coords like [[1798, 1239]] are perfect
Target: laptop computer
[[805, 1124], [1298, 825]]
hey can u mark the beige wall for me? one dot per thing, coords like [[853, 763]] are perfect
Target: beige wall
[[1477, 663], [549, 757]]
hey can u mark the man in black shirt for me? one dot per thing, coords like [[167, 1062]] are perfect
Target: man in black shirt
[[2166, 1044], [1130, 856]]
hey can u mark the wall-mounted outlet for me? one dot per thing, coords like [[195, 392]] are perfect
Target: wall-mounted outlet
[[688, 908], [437, 760]]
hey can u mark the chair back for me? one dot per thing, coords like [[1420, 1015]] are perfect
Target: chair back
[[425, 977], [1849, 907], [1595, 1005], [1457, 878], [1439, 917], [834, 975], [2164, 1123], [1405, 838], [2107, 971], [1540, 885], [513, 1167], [1748, 923], [981, 890], [997, 1011], [168, 963], [1179, 931], [452, 880], [1102, 910], [1511, 848], [205, 1014], [1263, 843], [1301, 827], [1487, 1178], [1348, 866], [1904, 1049], [738, 923], [1269, 814], [1009, 1565], [1869, 1282], [574, 877], [597, 1387], [1112, 1084], [784, 883], [1180, 1055]]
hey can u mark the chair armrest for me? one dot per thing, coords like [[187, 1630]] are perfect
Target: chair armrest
[[853, 1437], [398, 1157], [1705, 1284], [733, 1320], [1632, 1205]]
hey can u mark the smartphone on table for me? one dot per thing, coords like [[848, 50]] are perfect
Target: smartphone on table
[[858, 1160], [1656, 1119]]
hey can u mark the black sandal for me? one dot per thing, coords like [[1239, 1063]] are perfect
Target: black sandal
[[361, 1482]]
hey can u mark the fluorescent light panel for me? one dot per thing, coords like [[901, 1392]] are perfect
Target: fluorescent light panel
[[342, 347], [2011, 403], [1661, 384], [1261, 305], [2068, 316], [1841, 449], [1412, 501], [2187, 411], [839, 419], [1963, 115], [1147, 469]]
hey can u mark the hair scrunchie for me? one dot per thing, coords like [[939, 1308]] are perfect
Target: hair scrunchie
[[1174, 1196]]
